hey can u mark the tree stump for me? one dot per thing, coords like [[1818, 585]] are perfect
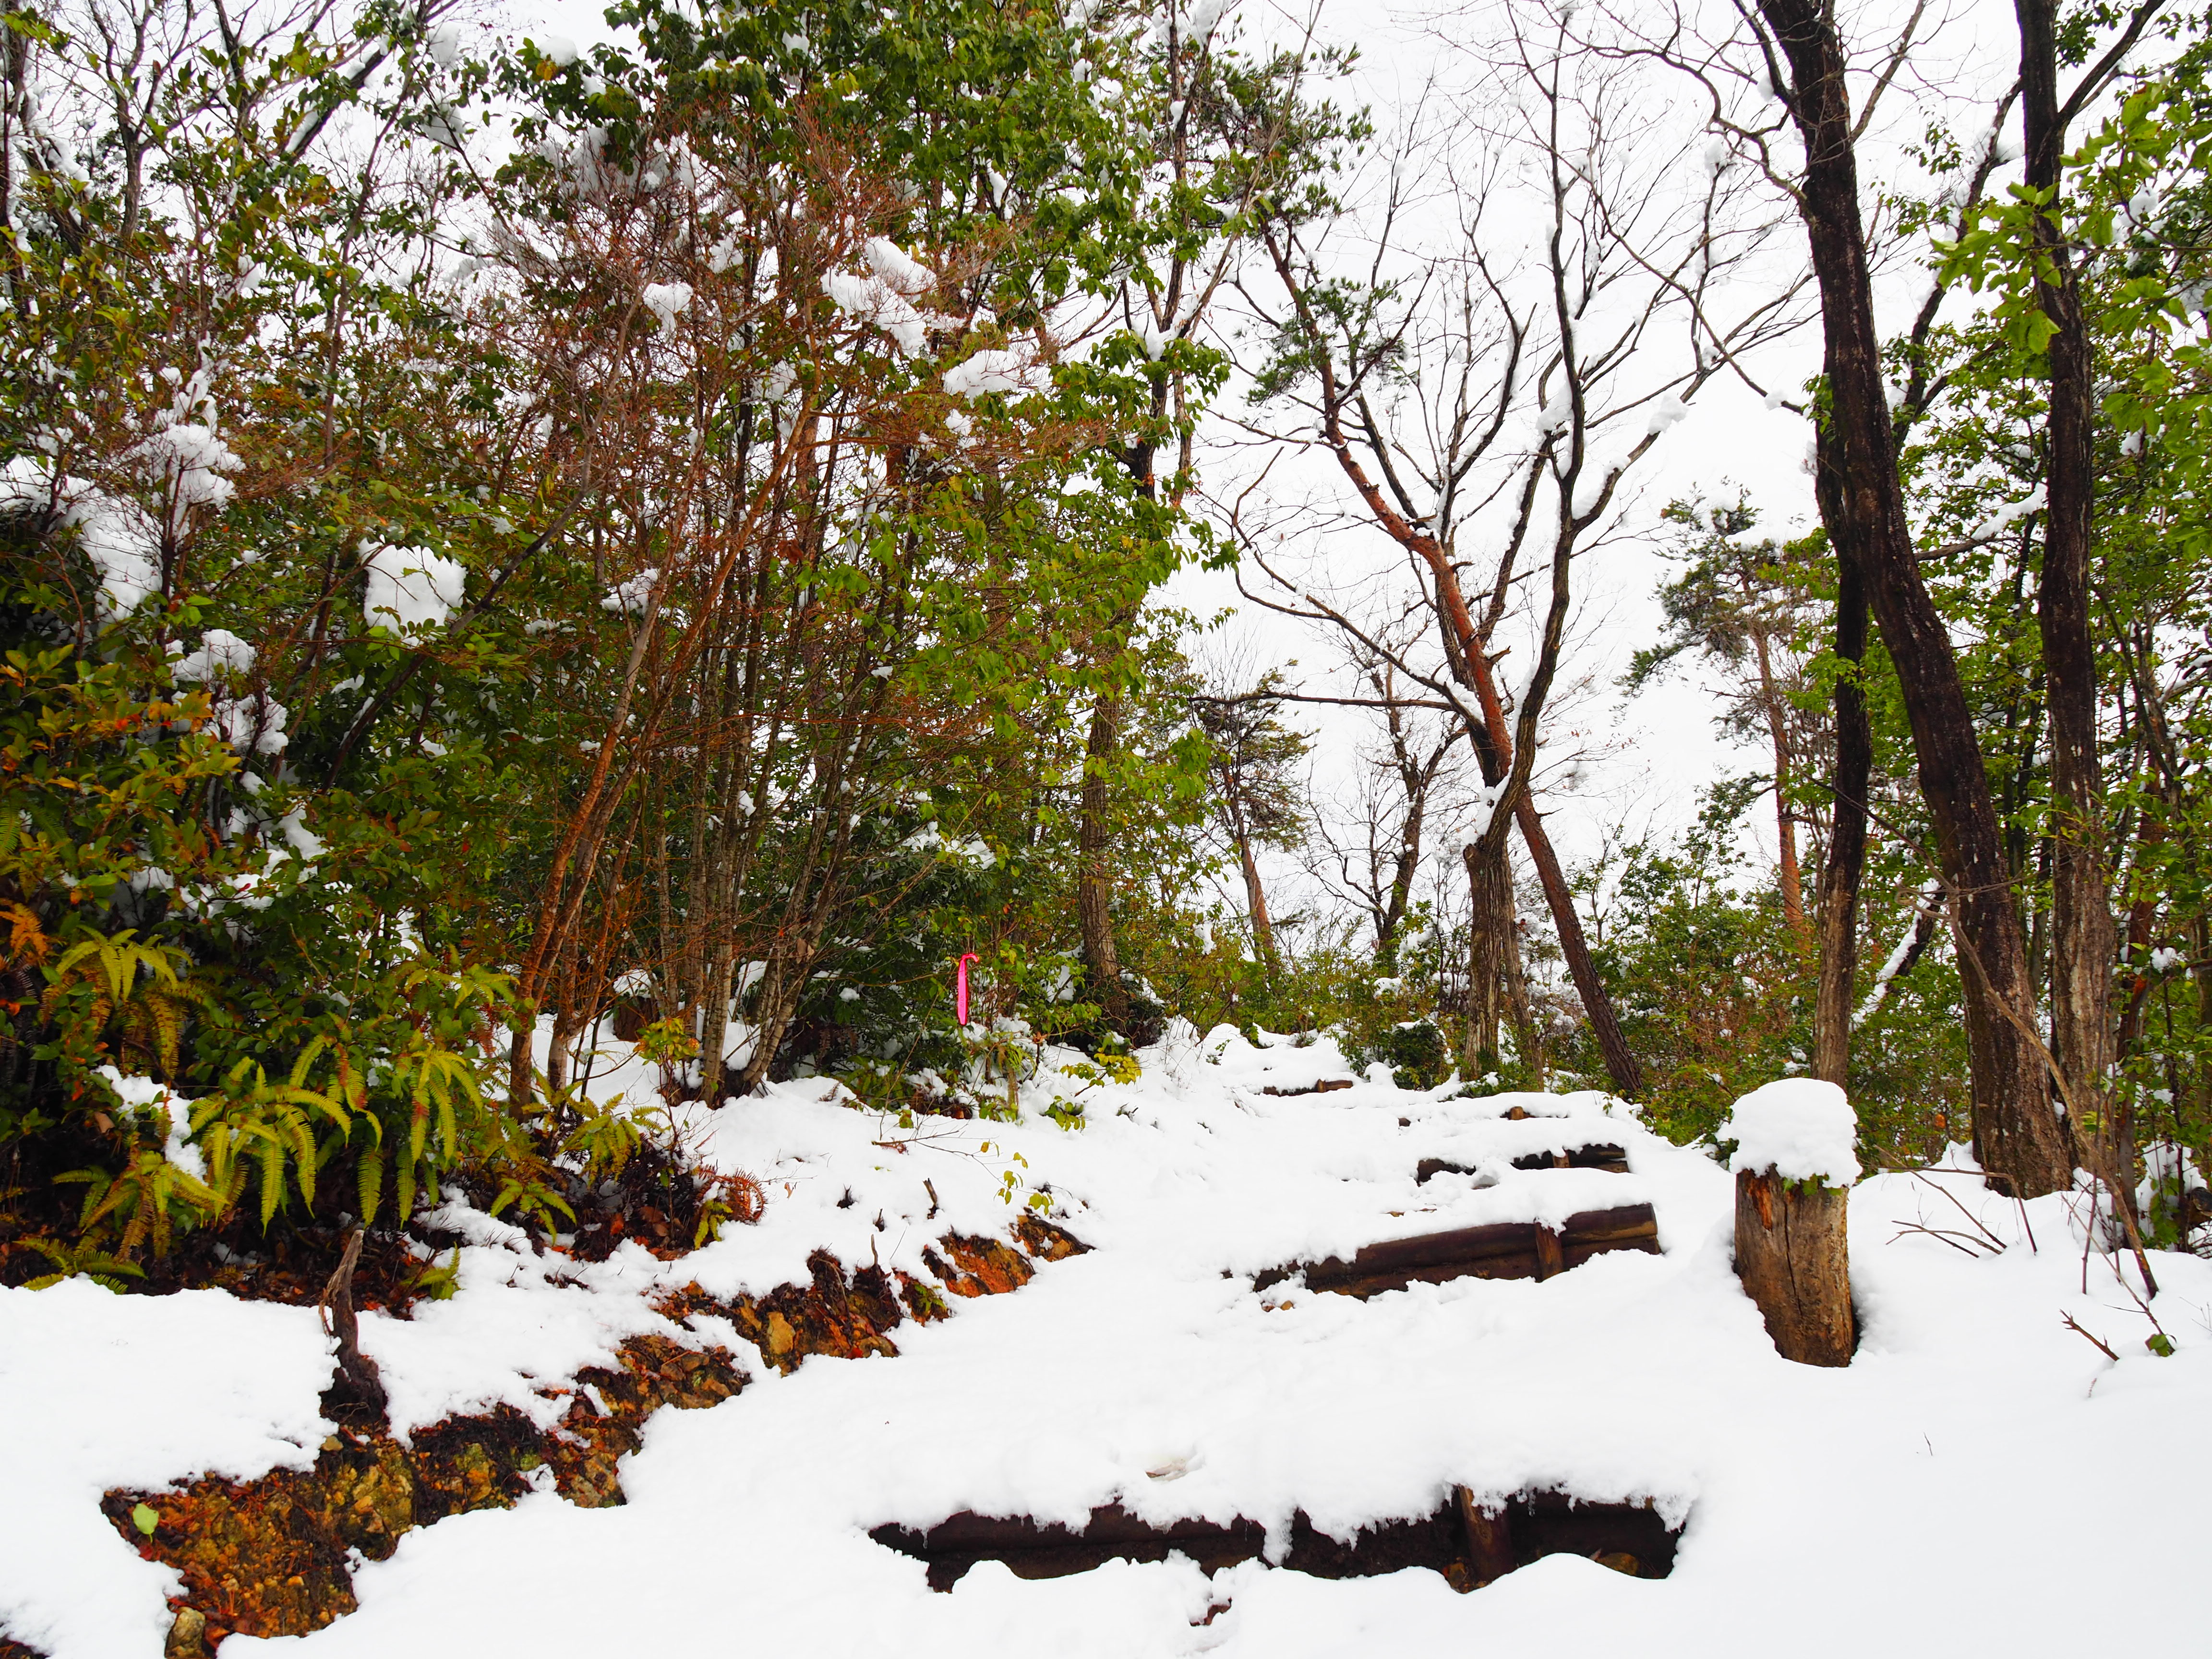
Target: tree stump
[[1792, 1255]]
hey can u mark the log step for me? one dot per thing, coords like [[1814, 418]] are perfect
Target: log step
[[1597, 1155], [1327, 1085], [1460, 1540], [1500, 1250]]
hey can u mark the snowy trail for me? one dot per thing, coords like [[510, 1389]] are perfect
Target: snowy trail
[[1958, 1489]]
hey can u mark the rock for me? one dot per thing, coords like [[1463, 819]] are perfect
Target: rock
[[187, 1636]]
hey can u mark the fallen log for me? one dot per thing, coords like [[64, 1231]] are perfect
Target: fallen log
[[1466, 1543], [1501, 1250], [1596, 1155]]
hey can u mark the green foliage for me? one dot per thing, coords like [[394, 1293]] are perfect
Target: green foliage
[[1418, 1051], [68, 1262]]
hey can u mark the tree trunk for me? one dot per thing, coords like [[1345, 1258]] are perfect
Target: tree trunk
[[1403, 869], [1620, 1065], [556, 1048], [2017, 1136], [1791, 1255], [1846, 864], [1786, 821], [1255, 895], [1490, 920], [714, 1026], [1093, 911], [1526, 1038], [2083, 940]]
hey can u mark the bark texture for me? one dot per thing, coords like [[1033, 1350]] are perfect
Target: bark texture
[[1791, 1256], [1490, 922], [1846, 864], [2083, 939], [2019, 1139], [1093, 915], [1626, 1076]]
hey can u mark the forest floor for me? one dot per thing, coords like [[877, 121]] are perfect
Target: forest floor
[[1585, 1417]]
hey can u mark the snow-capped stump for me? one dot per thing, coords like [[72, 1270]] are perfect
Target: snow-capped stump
[[1469, 1544], [1499, 1249], [1793, 1164]]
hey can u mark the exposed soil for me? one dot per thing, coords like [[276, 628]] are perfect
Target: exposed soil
[[271, 1557]]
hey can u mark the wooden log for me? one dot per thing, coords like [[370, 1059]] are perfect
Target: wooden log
[[1596, 1155], [1502, 1249], [1469, 1544], [1792, 1255], [1624, 1227], [1551, 1260], [1489, 1537], [1429, 1168]]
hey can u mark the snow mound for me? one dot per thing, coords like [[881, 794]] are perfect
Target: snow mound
[[1798, 1127]]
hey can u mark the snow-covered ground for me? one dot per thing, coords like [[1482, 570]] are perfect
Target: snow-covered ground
[[1979, 1480]]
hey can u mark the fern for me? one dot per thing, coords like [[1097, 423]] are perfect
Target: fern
[[147, 1197], [268, 1126], [96, 1264]]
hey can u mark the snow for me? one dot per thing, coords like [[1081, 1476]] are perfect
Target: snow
[[890, 262], [666, 302], [1893, 964], [1149, 1371], [879, 303], [411, 590], [1017, 372], [1667, 413], [121, 541], [221, 653], [630, 596], [1800, 1127], [142, 1095], [132, 1391]]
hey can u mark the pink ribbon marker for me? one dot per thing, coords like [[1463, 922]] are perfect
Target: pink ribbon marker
[[961, 997]]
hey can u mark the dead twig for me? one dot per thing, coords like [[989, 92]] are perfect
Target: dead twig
[[2093, 1341], [357, 1388], [1960, 1241], [1997, 1245]]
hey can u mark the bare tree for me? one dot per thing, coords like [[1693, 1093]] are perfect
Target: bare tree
[[1484, 403], [1407, 771]]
